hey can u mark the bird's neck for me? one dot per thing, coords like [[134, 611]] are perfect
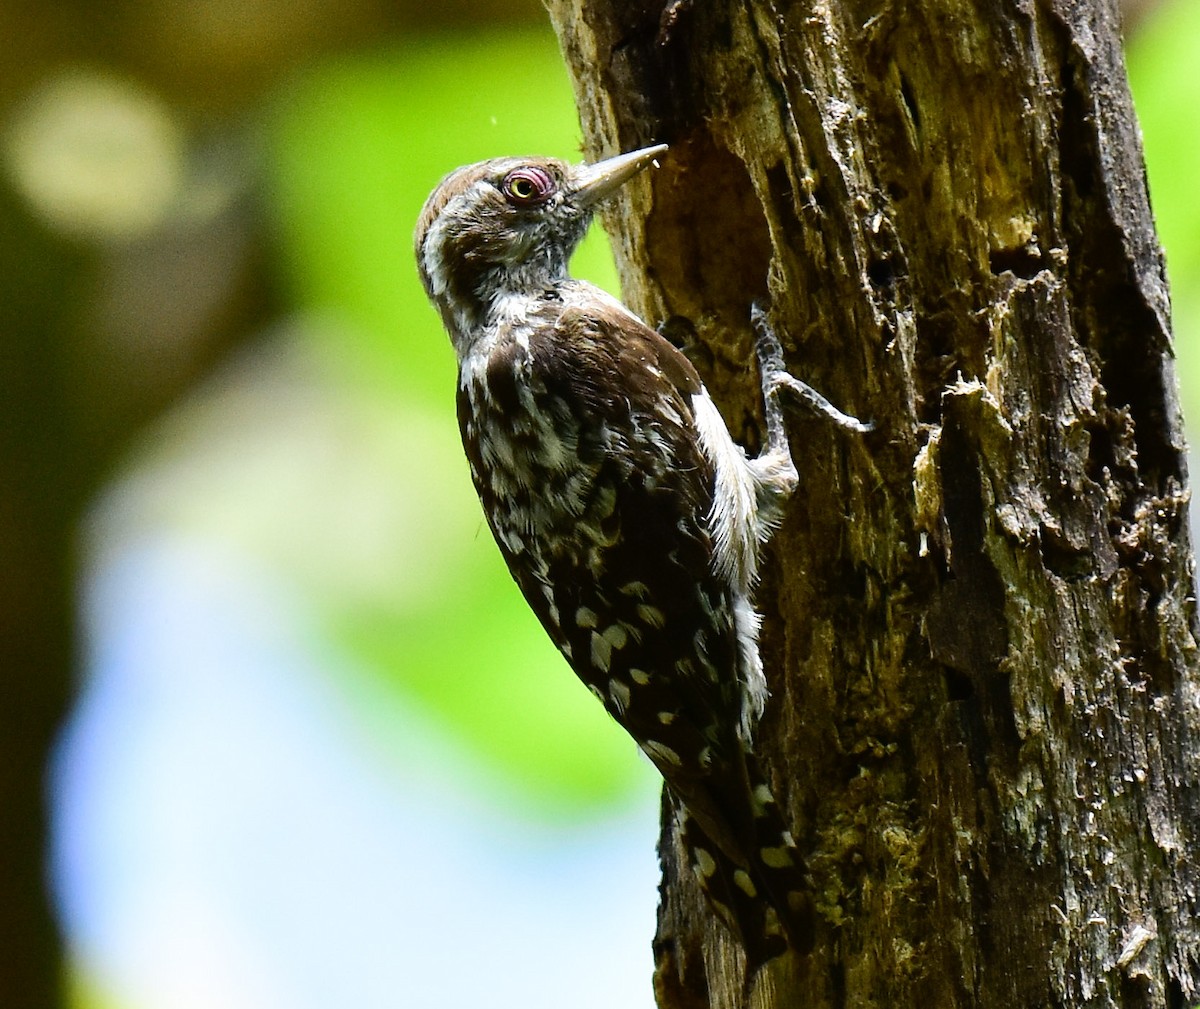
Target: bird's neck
[[500, 295]]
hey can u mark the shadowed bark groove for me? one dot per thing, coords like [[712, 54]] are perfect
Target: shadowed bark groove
[[980, 624]]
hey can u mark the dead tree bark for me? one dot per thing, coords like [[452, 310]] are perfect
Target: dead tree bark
[[980, 623]]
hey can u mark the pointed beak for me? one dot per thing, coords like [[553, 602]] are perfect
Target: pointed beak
[[591, 183]]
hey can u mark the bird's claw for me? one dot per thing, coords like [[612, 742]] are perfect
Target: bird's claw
[[775, 376]]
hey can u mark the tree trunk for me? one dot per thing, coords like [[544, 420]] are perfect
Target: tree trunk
[[979, 619]]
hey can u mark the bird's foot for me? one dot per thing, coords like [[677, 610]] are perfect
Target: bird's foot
[[776, 377]]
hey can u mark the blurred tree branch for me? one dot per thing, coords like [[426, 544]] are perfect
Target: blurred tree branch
[[105, 327], [96, 344]]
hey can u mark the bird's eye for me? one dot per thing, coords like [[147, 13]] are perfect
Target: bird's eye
[[528, 186]]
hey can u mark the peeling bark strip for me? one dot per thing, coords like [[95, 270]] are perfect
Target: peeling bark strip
[[980, 625]]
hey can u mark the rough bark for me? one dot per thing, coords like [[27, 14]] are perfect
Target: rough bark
[[980, 624]]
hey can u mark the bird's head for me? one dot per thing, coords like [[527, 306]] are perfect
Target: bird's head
[[508, 227]]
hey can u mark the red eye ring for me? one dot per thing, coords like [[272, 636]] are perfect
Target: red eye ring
[[527, 186]]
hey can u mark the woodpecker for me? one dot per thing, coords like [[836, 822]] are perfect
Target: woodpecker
[[629, 518]]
